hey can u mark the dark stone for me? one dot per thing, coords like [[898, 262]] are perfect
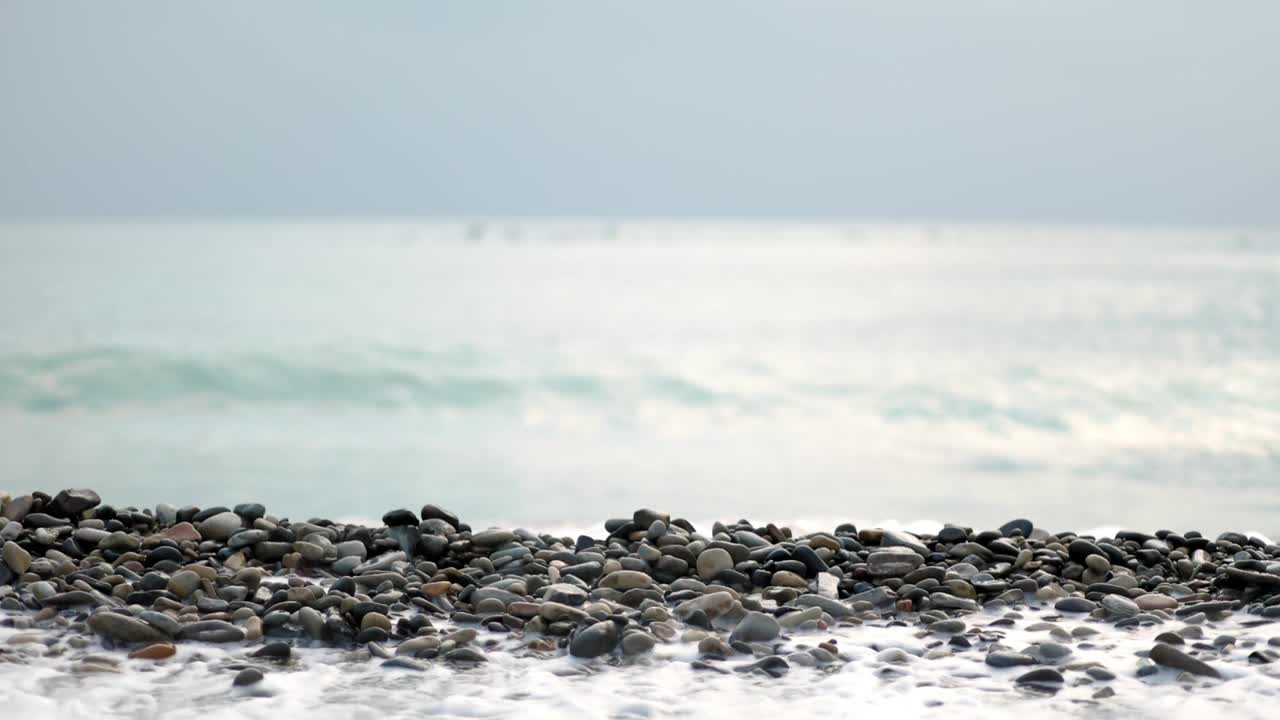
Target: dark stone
[[810, 559], [248, 676], [43, 520], [774, 666], [1020, 526], [1150, 558], [360, 609], [1249, 577], [1005, 658], [1075, 605], [372, 634], [250, 512], [595, 640], [1213, 606], [404, 663], [1171, 657], [1041, 676], [212, 631], [698, 618], [1265, 656], [74, 501], [433, 547], [399, 517], [435, 512], [465, 655], [644, 517], [1079, 549], [202, 515]]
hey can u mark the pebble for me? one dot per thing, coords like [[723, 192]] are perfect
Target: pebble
[[712, 561], [1171, 657], [831, 606], [1041, 676], [154, 651], [183, 583], [248, 676], [755, 627], [73, 502], [220, 526], [1098, 563], [626, 580], [1119, 605], [594, 640], [893, 655], [124, 628], [892, 538], [774, 666], [404, 663], [1004, 659], [1075, 605], [637, 643], [893, 563], [18, 559], [947, 627], [1155, 601], [465, 655], [410, 590], [489, 538]]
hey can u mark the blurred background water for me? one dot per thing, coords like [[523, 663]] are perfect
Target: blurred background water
[[560, 373]]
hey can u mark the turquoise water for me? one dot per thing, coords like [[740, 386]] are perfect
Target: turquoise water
[[557, 374]]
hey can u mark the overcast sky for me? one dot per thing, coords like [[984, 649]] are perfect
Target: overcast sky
[[1145, 112]]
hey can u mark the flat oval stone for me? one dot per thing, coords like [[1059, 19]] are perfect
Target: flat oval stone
[[1119, 605], [1005, 658], [154, 651], [626, 580], [893, 563], [1156, 601], [488, 538], [124, 628], [1075, 605]]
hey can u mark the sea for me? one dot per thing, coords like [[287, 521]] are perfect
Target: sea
[[552, 375], [555, 374]]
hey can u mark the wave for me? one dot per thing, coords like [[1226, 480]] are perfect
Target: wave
[[106, 378], [1230, 407]]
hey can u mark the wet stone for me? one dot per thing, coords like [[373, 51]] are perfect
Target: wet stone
[[1005, 658], [1041, 676], [248, 676], [1171, 657], [893, 562], [1075, 605], [755, 627]]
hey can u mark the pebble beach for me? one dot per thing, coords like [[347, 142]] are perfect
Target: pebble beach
[[238, 611]]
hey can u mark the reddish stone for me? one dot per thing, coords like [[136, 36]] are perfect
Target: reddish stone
[[156, 651], [183, 531]]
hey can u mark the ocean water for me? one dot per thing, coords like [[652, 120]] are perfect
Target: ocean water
[[555, 374]]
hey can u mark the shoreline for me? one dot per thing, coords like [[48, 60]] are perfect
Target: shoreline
[[104, 590]]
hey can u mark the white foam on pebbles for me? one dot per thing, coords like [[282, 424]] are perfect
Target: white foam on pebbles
[[324, 683]]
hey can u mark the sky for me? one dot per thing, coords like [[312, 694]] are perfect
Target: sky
[[1013, 111]]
